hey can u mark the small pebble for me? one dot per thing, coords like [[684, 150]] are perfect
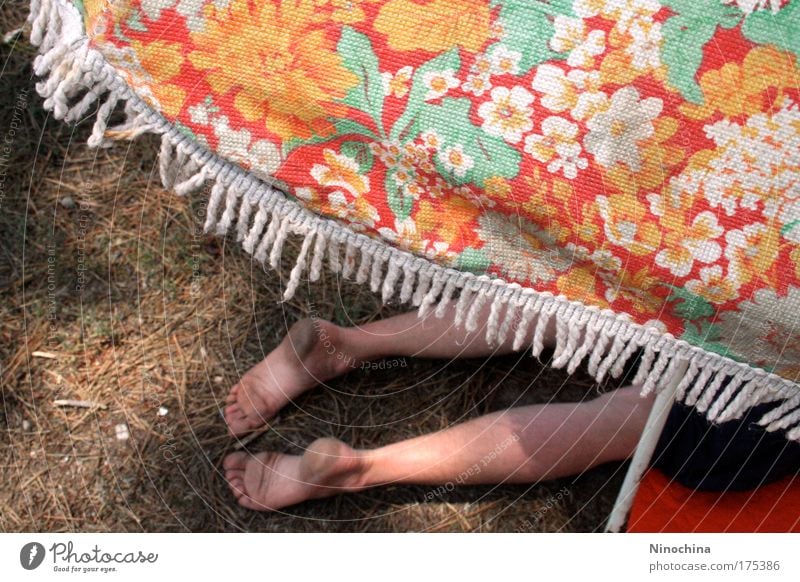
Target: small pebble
[[26, 424], [163, 411], [218, 379], [67, 202], [122, 432]]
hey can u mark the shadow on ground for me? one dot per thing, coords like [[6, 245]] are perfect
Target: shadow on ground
[[110, 294]]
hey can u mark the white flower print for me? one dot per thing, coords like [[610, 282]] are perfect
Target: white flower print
[[713, 285], [508, 114], [439, 83], [571, 37], [397, 84], [763, 331], [456, 161], [645, 50], [749, 250], [577, 91], [557, 146], [623, 12], [504, 61], [614, 134], [359, 213], [261, 156], [477, 84]]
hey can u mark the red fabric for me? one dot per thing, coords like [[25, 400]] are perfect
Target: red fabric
[[662, 505]]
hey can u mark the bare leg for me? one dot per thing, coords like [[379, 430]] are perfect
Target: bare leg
[[315, 351], [521, 445]]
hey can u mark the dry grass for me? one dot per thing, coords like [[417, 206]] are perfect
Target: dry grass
[[141, 312]]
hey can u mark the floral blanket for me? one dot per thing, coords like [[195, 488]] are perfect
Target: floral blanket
[[640, 156]]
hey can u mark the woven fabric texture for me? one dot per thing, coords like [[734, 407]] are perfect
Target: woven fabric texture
[[633, 155]]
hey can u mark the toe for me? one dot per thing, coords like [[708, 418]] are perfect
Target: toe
[[250, 503], [236, 483], [233, 411], [238, 422], [235, 461], [233, 395]]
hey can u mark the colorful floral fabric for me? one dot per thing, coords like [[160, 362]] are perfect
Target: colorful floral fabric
[[636, 155]]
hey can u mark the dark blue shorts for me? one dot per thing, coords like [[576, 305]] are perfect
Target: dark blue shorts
[[737, 455]]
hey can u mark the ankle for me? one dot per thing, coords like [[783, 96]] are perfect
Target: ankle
[[332, 460], [339, 345]]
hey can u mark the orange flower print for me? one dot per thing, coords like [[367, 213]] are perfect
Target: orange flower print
[[434, 25], [625, 224], [742, 89], [341, 172], [751, 251], [356, 211], [346, 11], [162, 60], [688, 240], [713, 285], [294, 79]]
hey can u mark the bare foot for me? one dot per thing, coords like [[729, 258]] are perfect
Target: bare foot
[[312, 352], [270, 481]]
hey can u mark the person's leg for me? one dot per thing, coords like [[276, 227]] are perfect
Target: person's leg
[[315, 351], [520, 445]]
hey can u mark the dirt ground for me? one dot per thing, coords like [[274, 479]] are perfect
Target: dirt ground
[[111, 294]]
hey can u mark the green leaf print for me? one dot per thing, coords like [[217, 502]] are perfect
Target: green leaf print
[[489, 155], [399, 203], [781, 29], [685, 36], [343, 127], [725, 15], [528, 28], [706, 335], [135, 23], [360, 152], [689, 306], [357, 55], [698, 315], [416, 97], [473, 260]]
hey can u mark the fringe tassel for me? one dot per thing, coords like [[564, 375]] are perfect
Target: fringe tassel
[[531, 306], [512, 305], [76, 78], [253, 235], [364, 268], [590, 332], [349, 260], [409, 281], [319, 256], [478, 300], [299, 267], [266, 240], [782, 417], [423, 285], [390, 280]]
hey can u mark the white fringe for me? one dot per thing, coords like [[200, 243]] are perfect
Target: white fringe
[[76, 77]]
